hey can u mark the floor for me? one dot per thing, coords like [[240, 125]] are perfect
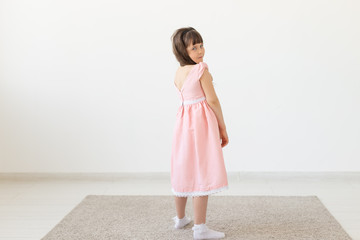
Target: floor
[[32, 204]]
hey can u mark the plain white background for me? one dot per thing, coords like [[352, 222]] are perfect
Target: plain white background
[[87, 86]]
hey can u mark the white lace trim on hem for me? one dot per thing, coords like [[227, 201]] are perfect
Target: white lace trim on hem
[[199, 193]]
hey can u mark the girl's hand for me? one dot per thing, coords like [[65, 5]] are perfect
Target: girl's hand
[[224, 137]]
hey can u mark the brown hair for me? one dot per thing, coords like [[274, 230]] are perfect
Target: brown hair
[[181, 39]]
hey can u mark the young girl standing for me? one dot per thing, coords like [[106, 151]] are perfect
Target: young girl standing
[[197, 162]]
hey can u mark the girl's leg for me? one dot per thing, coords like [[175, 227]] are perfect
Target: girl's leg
[[200, 205], [201, 231], [180, 203]]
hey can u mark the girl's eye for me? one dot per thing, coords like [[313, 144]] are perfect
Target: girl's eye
[[195, 47]]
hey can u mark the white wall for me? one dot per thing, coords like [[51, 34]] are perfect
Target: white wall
[[87, 86]]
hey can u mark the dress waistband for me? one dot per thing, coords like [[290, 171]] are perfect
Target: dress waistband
[[186, 102]]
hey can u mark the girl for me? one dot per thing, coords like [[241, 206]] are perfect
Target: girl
[[197, 163]]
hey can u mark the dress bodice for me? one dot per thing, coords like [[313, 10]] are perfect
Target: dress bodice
[[191, 88]]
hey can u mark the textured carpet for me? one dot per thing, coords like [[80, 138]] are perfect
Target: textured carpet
[[239, 217]]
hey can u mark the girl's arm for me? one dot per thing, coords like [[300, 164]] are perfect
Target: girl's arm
[[211, 97]]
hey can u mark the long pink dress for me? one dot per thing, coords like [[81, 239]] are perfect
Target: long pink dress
[[197, 162]]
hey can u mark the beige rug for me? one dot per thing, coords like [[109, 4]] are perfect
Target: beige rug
[[240, 217]]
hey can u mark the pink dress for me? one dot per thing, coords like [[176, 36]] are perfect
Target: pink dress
[[197, 162]]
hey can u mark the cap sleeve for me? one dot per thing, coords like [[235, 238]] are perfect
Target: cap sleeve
[[202, 67]]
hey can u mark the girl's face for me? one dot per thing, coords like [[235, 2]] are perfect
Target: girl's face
[[196, 52]]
